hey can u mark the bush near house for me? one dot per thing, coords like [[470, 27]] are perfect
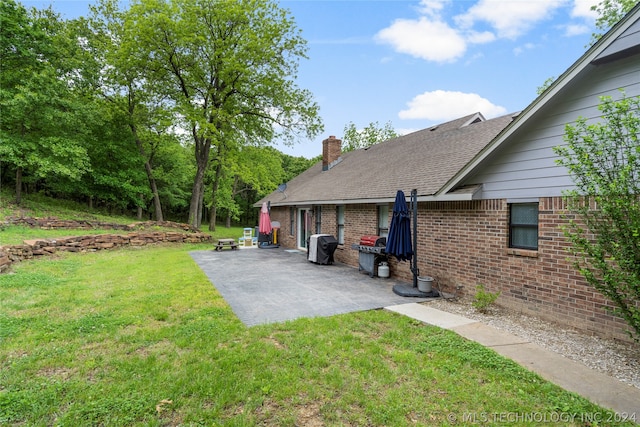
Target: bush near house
[[603, 159]]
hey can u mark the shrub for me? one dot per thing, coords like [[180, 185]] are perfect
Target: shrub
[[483, 299]]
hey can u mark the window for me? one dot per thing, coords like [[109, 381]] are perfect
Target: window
[[523, 226], [340, 224], [317, 212], [292, 221], [383, 220]]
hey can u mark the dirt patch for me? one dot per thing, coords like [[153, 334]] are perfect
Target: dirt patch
[[309, 415]]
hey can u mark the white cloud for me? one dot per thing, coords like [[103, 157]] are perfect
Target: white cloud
[[443, 105], [480, 38], [520, 49], [582, 9], [576, 30], [432, 8], [430, 40], [510, 18], [434, 36]]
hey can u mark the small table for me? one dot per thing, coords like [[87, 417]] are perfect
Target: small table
[[226, 243]]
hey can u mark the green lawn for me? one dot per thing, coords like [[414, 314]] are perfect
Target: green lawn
[[140, 337], [16, 234]]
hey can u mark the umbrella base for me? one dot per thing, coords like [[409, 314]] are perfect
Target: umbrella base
[[267, 246], [410, 291]]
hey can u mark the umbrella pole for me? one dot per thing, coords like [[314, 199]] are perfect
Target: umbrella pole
[[414, 258]]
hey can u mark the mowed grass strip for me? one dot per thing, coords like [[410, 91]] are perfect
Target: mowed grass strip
[[140, 337]]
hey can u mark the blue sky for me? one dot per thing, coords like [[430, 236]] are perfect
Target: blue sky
[[418, 63]]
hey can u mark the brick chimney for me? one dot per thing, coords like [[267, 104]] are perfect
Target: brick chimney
[[331, 151]]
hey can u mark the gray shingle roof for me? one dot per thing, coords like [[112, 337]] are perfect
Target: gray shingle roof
[[425, 160]]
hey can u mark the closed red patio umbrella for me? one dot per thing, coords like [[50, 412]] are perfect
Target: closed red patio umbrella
[[264, 228]]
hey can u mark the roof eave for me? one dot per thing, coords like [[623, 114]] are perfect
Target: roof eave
[[471, 194], [538, 103]]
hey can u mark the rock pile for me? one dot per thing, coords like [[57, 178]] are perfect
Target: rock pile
[[91, 243]]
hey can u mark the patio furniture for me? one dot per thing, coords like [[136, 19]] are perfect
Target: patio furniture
[[226, 243]]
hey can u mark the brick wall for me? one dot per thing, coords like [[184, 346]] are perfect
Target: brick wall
[[331, 151], [464, 244], [286, 236]]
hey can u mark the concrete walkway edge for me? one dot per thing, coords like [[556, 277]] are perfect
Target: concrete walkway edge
[[595, 386]]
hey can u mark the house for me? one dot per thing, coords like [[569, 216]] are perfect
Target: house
[[489, 193]]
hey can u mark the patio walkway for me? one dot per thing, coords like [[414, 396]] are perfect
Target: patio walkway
[[275, 285]]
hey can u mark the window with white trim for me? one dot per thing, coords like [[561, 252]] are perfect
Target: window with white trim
[[292, 221], [383, 220], [317, 213], [340, 223]]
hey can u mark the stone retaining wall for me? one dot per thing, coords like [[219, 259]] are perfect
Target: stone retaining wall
[[54, 223], [43, 247]]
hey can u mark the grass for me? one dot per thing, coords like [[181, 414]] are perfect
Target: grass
[[140, 337], [38, 206]]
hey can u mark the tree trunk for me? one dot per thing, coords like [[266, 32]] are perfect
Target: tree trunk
[[194, 205], [214, 190], [201, 207], [149, 170], [140, 208], [233, 194], [19, 185], [202, 150], [154, 190]]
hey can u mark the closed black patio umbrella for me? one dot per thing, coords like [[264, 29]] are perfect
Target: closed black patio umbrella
[[399, 239], [399, 244]]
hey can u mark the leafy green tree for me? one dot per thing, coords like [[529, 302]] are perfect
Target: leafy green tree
[[547, 83], [228, 68], [117, 180], [371, 134], [173, 169], [609, 13], [256, 170], [125, 86], [44, 114], [603, 159], [294, 166]]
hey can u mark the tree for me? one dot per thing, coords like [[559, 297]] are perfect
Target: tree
[[547, 83], [44, 114], [609, 13], [603, 159], [355, 139], [253, 172], [124, 85], [229, 69], [294, 166]]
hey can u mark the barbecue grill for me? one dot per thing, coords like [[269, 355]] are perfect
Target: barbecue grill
[[371, 251]]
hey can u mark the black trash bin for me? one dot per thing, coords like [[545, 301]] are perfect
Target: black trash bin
[[326, 245]]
